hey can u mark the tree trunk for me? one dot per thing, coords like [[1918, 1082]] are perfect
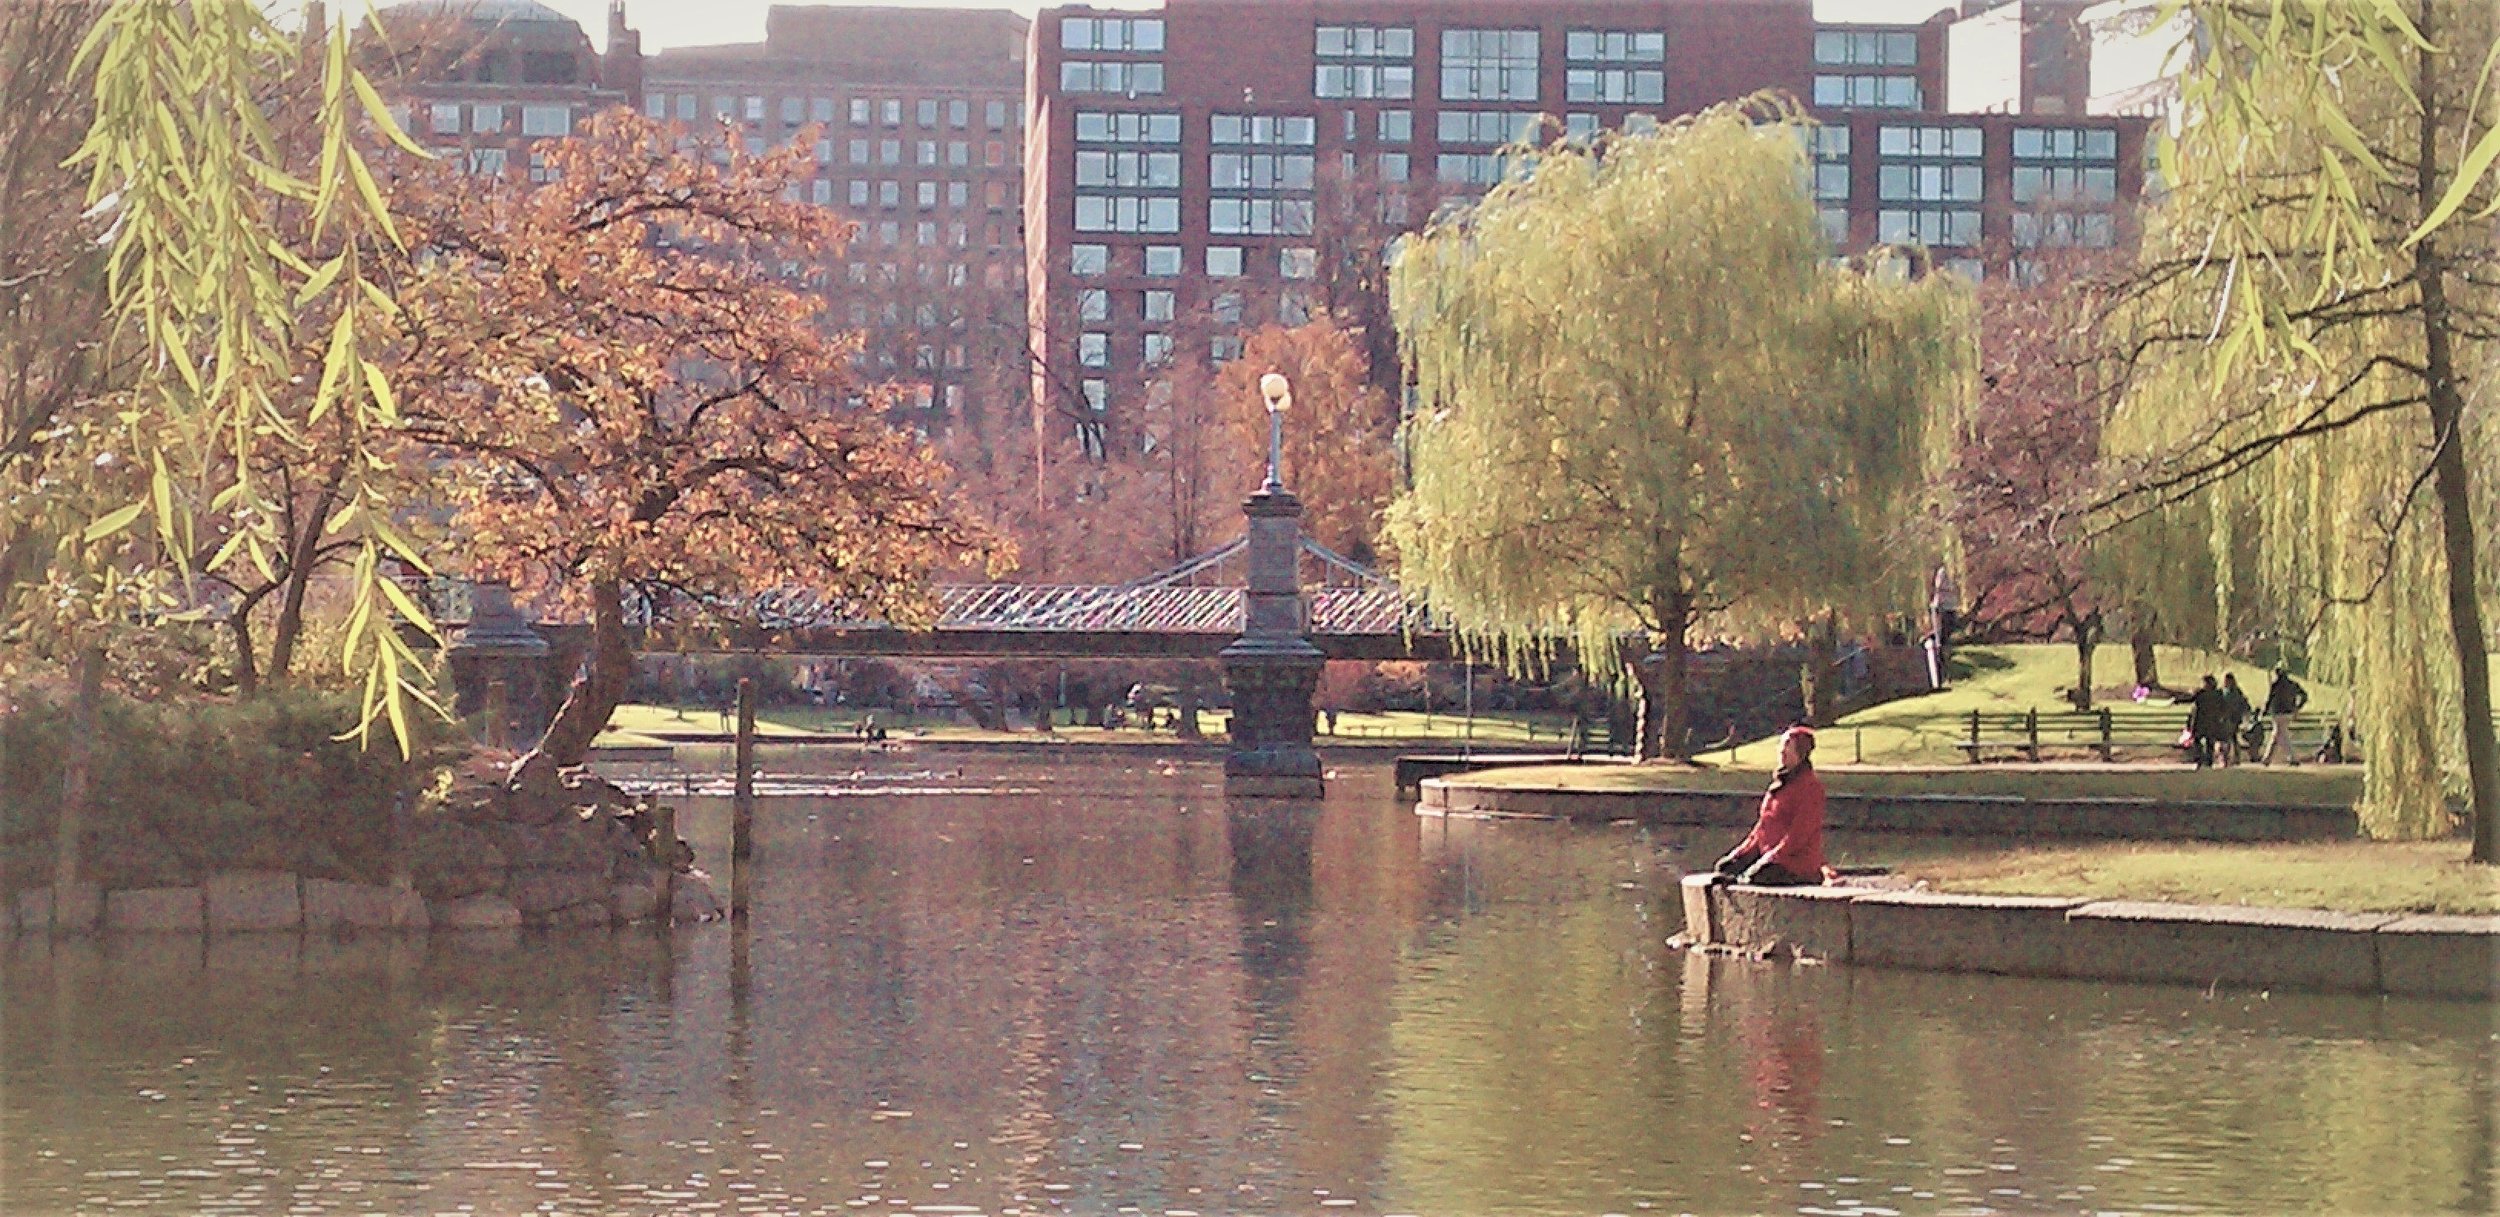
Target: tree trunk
[[246, 664], [2452, 484], [299, 573], [595, 695], [2140, 641], [77, 778], [1820, 682], [1660, 668], [2087, 640]]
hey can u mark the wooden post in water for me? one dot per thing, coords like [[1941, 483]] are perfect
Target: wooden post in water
[[742, 813]]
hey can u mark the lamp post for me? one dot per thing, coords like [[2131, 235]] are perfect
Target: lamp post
[[1272, 668], [1279, 395]]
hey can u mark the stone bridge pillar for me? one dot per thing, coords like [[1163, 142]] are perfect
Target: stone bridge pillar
[[1272, 669]]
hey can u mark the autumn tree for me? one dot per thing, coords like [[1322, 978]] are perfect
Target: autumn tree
[[1340, 455], [2026, 471], [637, 409], [2318, 299], [1650, 405]]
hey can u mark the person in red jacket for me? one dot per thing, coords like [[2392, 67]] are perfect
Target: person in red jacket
[[1785, 848]]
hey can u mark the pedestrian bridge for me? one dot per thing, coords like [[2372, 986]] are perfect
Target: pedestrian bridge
[[1354, 613]]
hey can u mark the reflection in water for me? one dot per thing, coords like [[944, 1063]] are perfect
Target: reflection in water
[[1122, 991]]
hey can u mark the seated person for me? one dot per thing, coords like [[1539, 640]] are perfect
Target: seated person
[[1785, 848]]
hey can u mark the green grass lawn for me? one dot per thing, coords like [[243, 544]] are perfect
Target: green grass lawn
[[2321, 785], [2012, 679], [2349, 876], [613, 738]]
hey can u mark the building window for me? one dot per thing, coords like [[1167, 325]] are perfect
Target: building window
[[994, 115], [486, 162], [958, 194], [1471, 169], [2081, 165], [1259, 217], [1163, 261], [1364, 61], [1159, 304], [1959, 143], [1141, 34], [859, 111], [1866, 48], [1944, 226], [1487, 127], [821, 110], [793, 111], [1829, 146], [2061, 229], [958, 153], [1089, 260], [1868, 92], [928, 195], [1397, 126], [1127, 213], [1113, 76], [1158, 350], [859, 152], [859, 194], [959, 114], [1394, 167], [1093, 350], [1615, 67], [1226, 308], [1289, 130], [486, 119], [1097, 397], [1129, 127], [444, 118], [1121, 168], [1093, 304], [546, 120], [1224, 348], [821, 191], [1297, 262], [1259, 171], [1223, 261], [754, 109], [1488, 65], [925, 112], [889, 194], [889, 152]]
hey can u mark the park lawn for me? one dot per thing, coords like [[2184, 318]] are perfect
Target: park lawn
[[2346, 876], [2307, 785], [613, 738], [2012, 679]]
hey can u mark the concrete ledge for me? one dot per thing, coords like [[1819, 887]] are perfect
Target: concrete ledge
[[154, 910], [253, 900], [1943, 932], [2133, 941], [2225, 945], [1959, 815], [2440, 957], [474, 913], [330, 905]]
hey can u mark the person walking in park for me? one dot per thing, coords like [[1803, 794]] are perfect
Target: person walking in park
[[2285, 699], [2205, 725], [2236, 713], [1944, 604], [1785, 848]]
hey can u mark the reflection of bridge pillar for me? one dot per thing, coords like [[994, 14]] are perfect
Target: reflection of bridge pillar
[[1272, 669], [499, 645]]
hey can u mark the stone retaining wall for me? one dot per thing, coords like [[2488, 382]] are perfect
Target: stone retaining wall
[[2234, 947], [1947, 814], [246, 902]]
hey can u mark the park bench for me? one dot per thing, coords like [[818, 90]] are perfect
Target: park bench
[[2101, 730], [2137, 726]]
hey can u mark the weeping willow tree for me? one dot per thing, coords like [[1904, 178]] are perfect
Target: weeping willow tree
[[2311, 351], [1651, 408]]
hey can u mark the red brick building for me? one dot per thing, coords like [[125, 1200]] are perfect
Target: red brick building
[[1181, 161], [496, 76], [918, 122]]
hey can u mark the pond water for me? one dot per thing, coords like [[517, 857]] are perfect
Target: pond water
[[1016, 985]]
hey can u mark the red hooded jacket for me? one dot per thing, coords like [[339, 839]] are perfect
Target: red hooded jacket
[[1789, 832]]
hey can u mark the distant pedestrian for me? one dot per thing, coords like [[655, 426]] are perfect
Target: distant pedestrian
[[2205, 726], [2236, 713], [2285, 699], [1944, 602]]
